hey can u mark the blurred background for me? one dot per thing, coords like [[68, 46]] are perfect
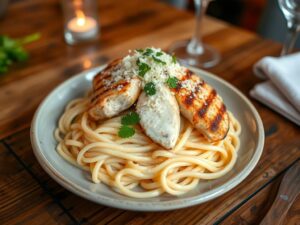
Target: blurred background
[[261, 16]]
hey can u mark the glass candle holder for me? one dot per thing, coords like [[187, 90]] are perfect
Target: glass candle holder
[[81, 21]]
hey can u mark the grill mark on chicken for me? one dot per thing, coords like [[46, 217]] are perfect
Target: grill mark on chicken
[[178, 87], [189, 99], [197, 89], [103, 88], [103, 75], [106, 72], [102, 91], [113, 63], [100, 77], [202, 111], [124, 85], [214, 126], [99, 85], [188, 74]]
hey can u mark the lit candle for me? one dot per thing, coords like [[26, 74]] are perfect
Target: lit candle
[[83, 27]]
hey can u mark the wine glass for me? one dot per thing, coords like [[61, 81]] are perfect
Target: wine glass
[[291, 11], [194, 52]]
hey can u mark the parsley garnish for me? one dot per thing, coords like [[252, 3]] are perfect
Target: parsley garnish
[[126, 131], [140, 50], [159, 53], [158, 60], [150, 89], [172, 82], [174, 60], [143, 68], [11, 50], [148, 52], [131, 118]]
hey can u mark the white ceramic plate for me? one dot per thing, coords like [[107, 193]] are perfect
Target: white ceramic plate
[[79, 182]]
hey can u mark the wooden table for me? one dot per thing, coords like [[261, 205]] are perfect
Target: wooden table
[[30, 196]]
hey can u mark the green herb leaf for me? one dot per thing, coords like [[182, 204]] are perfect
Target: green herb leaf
[[150, 89], [159, 54], [148, 52], [131, 118], [172, 82], [17, 54], [174, 60], [11, 50], [140, 50], [7, 43], [30, 38], [158, 60], [126, 131], [143, 68]]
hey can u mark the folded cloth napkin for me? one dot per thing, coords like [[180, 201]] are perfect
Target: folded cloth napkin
[[282, 91], [268, 94]]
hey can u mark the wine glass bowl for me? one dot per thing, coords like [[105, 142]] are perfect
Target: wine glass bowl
[[204, 57], [291, 11], [194, 52]]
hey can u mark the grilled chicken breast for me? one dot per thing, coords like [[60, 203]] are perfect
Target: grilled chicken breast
[[202, 106], [160, 117], [111, 96]]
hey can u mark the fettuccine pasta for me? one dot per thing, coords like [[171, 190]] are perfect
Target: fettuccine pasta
[[136, 166]]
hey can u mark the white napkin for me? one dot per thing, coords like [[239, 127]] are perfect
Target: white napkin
[[282, 91], [267, 93]]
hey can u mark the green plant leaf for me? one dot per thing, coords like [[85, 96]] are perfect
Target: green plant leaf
[[172, 82], [126, 131], [131, 118], [150, 89], [158, 60], [174, 60], [143, 68]]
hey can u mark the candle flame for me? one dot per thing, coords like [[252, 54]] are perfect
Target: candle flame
[[87, 63], [80, 17]]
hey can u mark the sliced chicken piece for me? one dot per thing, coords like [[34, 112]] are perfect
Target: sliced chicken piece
[[111, 96], [160, 117], [202, 106]]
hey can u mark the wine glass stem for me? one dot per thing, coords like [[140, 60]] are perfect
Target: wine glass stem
[[195, 46], [291, 38]]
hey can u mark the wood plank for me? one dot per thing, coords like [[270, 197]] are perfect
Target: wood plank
[[254, 210], [117, 25], [287, 193], [293, 217], [22, 200], [80, 208]]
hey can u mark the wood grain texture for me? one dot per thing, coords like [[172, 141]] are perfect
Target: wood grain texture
[[128, 26], [293, 216], [22, 200], [256, 207], [288, 192], [117, 26]]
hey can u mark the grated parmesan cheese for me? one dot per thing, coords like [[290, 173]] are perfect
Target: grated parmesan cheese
[[160, 67], [158, 73]]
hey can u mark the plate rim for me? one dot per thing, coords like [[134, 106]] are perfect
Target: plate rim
[[145, 206]]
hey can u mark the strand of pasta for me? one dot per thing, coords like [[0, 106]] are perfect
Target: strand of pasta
[[136, 166]]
